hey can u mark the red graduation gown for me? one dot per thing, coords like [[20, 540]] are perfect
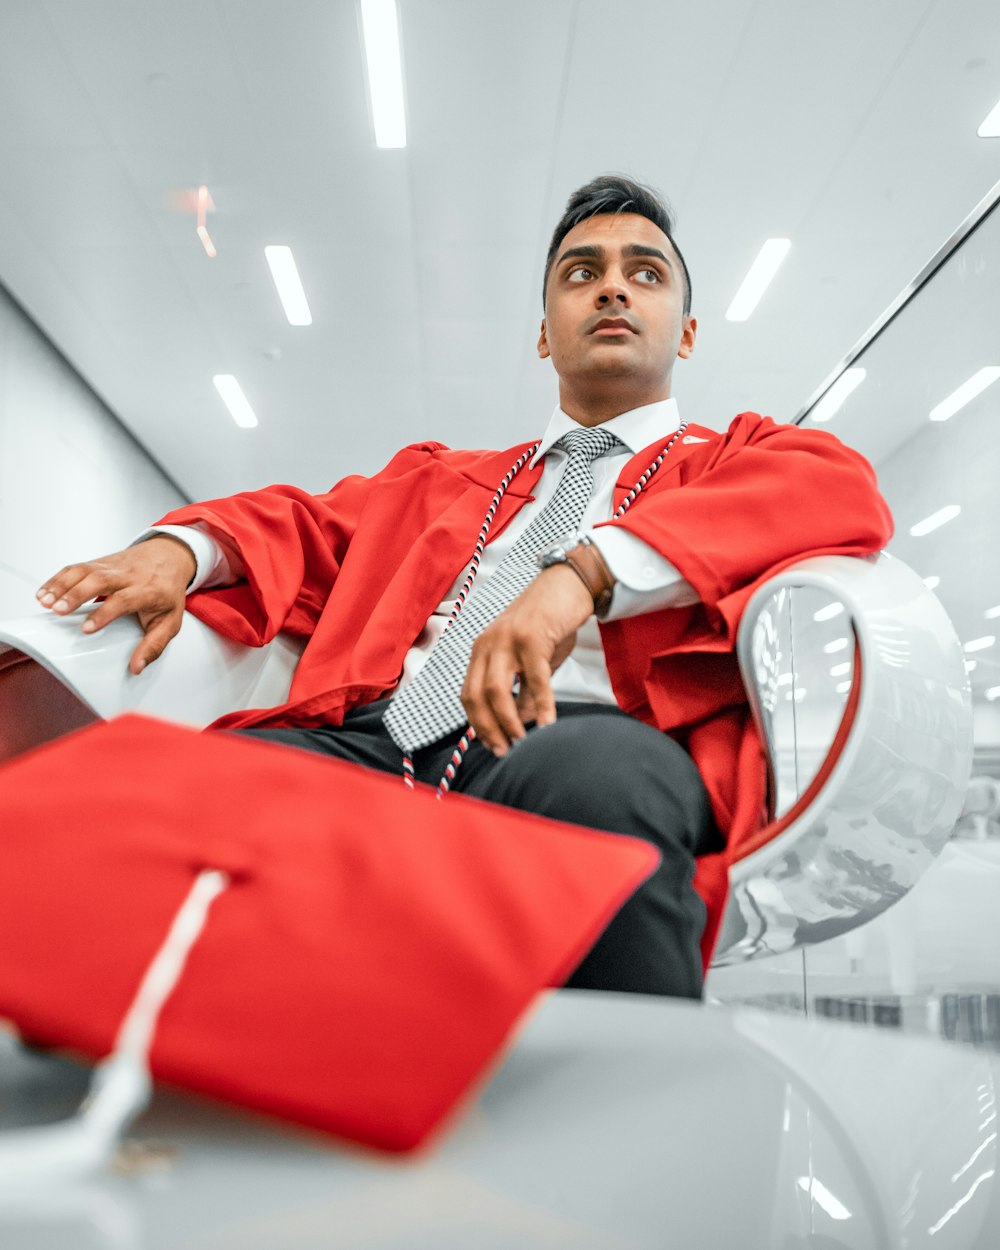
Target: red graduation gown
[[359, 570]]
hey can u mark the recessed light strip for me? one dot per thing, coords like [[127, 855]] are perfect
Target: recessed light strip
[[758, 279], [288, 284], [966, 393], [833, 400], [989, 128], [204, 206], [935, 520], [380, 22], [235, 400]]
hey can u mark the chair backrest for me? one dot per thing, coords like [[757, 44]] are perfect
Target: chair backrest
[[869, 763]]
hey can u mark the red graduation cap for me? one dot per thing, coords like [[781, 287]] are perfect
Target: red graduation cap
[[371, 949]]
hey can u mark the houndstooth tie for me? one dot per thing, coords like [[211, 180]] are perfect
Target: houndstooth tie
[[430, 707]]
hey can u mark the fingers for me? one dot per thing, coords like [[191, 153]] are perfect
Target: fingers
[[120, 603], [72, 586], [536, 683], [488, 695], [494, 712], [158, 632]]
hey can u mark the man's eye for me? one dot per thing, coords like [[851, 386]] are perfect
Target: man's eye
[[580, 274], [648, 276]]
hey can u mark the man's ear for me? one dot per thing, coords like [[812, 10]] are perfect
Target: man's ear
[[688, 335], [543, 343]]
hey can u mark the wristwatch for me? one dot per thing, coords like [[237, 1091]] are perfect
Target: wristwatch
[[587, 563]]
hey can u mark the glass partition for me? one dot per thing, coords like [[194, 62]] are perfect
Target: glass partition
[[926, 413]]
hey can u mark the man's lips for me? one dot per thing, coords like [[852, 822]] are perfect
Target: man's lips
[[614, 325]]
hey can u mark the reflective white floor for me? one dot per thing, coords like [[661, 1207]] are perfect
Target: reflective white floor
[[615, 1122]]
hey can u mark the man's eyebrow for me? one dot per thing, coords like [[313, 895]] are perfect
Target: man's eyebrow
[[592, 251], [643, 249], [589, 251]]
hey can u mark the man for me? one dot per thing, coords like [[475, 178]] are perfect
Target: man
[[637, 724]]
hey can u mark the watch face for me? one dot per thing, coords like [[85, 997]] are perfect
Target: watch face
[[556, 554]]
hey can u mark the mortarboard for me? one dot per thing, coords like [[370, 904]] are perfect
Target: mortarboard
[[365, 957]]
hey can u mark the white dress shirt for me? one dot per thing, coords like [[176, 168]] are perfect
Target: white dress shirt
[[645, 580]]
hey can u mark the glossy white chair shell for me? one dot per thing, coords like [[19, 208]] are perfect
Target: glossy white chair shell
[[894, 783], [844, 852]]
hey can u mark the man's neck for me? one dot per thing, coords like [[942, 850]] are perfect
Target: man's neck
[[594, 410]]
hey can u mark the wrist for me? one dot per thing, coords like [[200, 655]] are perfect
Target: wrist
[[588, 565], [571, 588], [182, 557]]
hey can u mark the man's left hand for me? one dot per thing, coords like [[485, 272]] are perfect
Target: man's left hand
[[529, 639]]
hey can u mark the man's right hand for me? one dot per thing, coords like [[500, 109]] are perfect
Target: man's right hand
[[149, 579]]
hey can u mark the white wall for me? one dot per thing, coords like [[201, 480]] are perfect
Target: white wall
[[73, 483]]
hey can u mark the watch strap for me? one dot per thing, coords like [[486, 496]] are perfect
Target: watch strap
[[586, 561]]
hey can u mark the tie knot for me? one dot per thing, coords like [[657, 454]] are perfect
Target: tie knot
[[587, 444]]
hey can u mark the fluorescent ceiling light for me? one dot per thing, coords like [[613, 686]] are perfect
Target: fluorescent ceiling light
[[380, 21], [843, 687], [235, 400], [970, 666], [991, 614], [932, 582], [832, 401], [829, 612], [980, 644], [205, 206], [935, 520], [990, 127], [993, 692], [840, 670], [838, 644], [758, 279], [966, 393], [289, 285]]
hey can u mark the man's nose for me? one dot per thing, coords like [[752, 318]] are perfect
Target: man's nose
[[613, 289]]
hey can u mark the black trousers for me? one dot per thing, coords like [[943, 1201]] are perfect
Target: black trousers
[[598, 767]]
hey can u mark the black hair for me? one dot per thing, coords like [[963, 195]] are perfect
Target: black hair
[[609, 194]]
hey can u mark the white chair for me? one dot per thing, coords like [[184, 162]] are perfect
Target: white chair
[[868, 767]]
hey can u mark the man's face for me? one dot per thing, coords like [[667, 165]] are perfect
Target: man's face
[[614, 317]]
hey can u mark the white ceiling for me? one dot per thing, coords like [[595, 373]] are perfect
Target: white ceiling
[[848, 127]]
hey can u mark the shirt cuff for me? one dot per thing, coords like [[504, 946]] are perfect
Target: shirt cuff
[[644, 580], [214, 567]]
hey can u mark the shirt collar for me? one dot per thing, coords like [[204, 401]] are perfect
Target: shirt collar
[[636, 429]]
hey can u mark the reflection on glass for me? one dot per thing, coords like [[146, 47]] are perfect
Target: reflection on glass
[[928, 418]]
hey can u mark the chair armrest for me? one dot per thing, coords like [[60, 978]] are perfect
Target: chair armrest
[[198, 677], [887, 797]]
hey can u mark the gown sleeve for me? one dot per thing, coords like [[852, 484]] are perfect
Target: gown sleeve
[[763, 497], [292, 545]]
